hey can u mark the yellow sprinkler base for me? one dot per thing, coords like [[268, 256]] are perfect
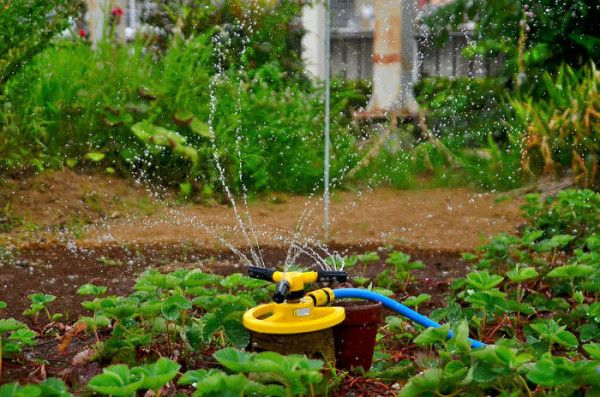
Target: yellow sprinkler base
[[292, 318]]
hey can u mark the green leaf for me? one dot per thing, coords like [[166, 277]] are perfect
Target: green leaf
[[433, 335], [551, 372], [553, 332], [233, 359], [185, 189], [520, 274], [158, 374], [42, 299], [14, 390], [53, 387], [483, 280], [593, 349], [98, 321], [236, 332], [419, 385], [194, 376], [558, 241], [116, 380], [210, 324], [10, 324], [24, 336], [183, 117], [2, 305], [571, 271], [368, 257], [200, 128], [91, 289], [171, 308], [96, 157], [415, 301]]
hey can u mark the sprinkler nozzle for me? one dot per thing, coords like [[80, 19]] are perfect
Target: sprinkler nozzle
[[290, 285]]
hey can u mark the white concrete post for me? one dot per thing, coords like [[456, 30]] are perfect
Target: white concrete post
[[313, 50], [394, 55]]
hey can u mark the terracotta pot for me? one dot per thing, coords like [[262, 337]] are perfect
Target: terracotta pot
[[355, 337]]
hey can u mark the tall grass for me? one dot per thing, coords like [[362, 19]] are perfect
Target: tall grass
[[73, 105], [563, 129]]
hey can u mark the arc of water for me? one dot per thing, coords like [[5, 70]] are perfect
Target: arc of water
[[238, 105], [194, 222], [306, 213], [213, 108]]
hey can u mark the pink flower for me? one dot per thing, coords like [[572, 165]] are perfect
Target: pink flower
[[117, 12]]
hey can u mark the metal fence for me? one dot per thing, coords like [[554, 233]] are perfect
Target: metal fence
[[351, 57], [449, 61]]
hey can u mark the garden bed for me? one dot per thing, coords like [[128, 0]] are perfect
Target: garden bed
[[59, 270]]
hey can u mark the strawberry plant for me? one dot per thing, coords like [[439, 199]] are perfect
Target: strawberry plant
[[401, 273], [14, 336], [40, 303]]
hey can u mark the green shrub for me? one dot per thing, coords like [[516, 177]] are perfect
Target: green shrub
[[572, 212], [122, 108], [465, 111], [556, 32], [564, 128], [26, 28], [268, 30]]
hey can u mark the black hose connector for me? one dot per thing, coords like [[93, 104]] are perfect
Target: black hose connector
[[281, 291], [261, 273], [332, 275]]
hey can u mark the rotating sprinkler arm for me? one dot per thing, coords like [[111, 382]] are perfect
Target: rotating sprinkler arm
[[290, 285]]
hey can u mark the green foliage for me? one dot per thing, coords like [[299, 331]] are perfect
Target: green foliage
[[27, 28], [561, 129], [51, 387], [117, 380], [531, 297], [465, 111], [152, 118], [91, 289], [157, 374], [557, 33], [401, 271], [297, 374], [573, 212], [534, 297], [262, 32], [185, 311]]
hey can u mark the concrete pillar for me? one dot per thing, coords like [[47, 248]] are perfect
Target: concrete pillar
[[394, 57], [313, 42]]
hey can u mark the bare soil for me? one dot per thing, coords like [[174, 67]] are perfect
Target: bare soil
[[100, 209]]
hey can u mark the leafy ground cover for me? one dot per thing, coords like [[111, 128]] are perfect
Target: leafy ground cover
[[531, 296]]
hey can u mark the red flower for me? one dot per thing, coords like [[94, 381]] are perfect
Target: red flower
[[82, 33], [117, 12]]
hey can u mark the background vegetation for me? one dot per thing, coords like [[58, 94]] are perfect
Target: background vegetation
[[224, 81]]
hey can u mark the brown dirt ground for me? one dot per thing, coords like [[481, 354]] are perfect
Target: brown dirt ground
[[100, 209]]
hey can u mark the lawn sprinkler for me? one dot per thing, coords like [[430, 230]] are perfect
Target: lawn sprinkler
[[317, 323]]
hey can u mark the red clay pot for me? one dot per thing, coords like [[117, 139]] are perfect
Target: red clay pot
[[355, 337]]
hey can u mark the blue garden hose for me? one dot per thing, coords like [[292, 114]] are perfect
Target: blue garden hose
[[395, 306]]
